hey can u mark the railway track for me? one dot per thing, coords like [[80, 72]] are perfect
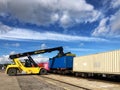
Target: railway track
[[101, 79], [73, 85], [62, 84], [77, 83]]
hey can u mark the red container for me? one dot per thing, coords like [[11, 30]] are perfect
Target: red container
[[41, 64], [44, 65]]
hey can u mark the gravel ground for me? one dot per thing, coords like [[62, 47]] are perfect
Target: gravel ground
[[24, 82], [8, 82], [92, 84], [36, 82], [29, 82]]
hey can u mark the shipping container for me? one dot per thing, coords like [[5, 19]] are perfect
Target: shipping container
[[44, 65], [41, 64], [103, 63], [61, 62]]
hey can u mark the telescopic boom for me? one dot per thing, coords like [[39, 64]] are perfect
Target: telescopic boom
[[60, 49]]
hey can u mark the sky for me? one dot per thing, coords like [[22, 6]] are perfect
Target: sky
[[81, 26]]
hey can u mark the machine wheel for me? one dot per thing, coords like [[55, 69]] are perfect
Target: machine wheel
[[43, 71], [12, 72]]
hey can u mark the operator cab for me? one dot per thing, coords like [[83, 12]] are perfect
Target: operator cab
[[30, 62]]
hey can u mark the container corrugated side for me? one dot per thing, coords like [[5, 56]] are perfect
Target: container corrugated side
[[107, 62], [61, 62]]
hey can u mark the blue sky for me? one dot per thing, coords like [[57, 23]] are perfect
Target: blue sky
[[80, 26]]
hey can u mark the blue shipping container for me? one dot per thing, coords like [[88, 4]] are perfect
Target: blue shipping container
[[61, 62]]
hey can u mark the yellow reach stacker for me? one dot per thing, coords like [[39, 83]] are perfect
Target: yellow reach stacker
[[30, 66]]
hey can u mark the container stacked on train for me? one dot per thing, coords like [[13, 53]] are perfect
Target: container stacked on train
[[61, 64], [106, 64]]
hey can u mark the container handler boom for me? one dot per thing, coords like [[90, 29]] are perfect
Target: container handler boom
[[30, 66], [60, 49]]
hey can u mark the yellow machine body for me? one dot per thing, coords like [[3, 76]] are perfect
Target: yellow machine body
[[31, 66], [21, 68]]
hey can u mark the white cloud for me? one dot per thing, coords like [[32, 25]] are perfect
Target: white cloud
[[37, 58], [40, 59], [4, 28], [45, 12], [111, 25], [81, 44], [115, 3], [81, 49], [13, 44], [26, 34], [4, 59], [65, 20], [78, 49], [12, 52], [55, 17], [115, 24], [43, 46], [16, 44], [111, 29], [102, 29]]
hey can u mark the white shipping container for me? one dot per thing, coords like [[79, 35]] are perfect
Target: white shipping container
[[107, 63]]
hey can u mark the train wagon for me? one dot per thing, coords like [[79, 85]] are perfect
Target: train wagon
[[106, 64]]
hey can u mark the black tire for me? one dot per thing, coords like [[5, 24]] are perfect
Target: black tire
[[43, 71], [12, 72]]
